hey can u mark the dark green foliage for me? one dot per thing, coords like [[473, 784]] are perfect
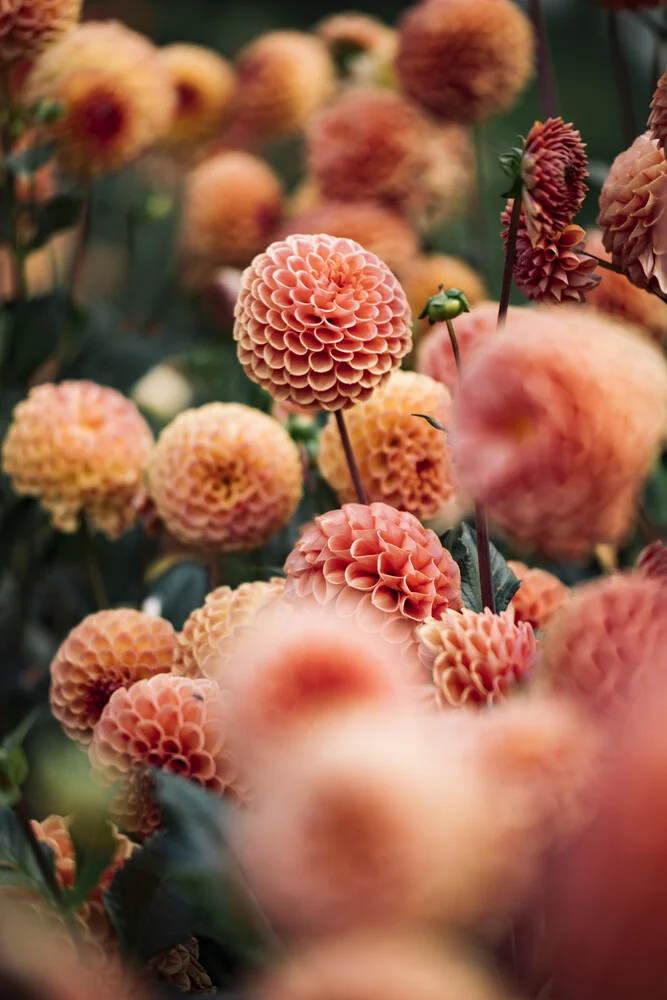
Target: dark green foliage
[[462, 543]]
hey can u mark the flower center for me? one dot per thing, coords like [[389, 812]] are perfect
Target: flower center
[[189, 98], [102, 116]]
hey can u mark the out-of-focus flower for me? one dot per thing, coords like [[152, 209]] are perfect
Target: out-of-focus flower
[[27, 27], [652, 561], [224, 477], [181, 967], [173, 723], [422, 276], [321, 322], [555, 425], [353, 34], [554, 172], [82, 449], [117, 97], [205, 88], [435, 357], [463, 61], [538, 598], [476, 658], [163, 391], [224, 611], [632, 213], [402, 459], [232, 206], [450, 178], [108, 650]]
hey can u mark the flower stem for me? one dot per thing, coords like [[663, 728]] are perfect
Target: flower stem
[[349, 455], [79, 255], [455, 345], [622, 77], [93, 567], [547, 81], [510, 256], [606, 265], [20, 289]]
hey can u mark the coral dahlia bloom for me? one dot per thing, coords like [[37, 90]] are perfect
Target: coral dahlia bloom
[[403, 461], [435, 357], [463, 61], [423, 275], [554, 172], [536, 427], [173, 723], [108, 650], [652, 561], [116, 93], [225, 477], [632, 213], [205, 87], [321, 322], [538, 598], [27, 27], [81, 448]]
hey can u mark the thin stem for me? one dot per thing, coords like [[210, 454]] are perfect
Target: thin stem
[[510, 256], [455, 345], [93, 567], [606, 265], [547, 81], [623, 83], [79, 255], [484, 558], [18, 253], [349, 455]]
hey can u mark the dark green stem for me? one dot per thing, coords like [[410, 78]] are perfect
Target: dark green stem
[[510, 257], [18, 251], [455, 345], [349, 455], [93, 567], [81, 246]]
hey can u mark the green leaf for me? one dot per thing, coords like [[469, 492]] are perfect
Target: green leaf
[[61, 212], [462, 543], [13, 761], [431, 420], [16, 853], [180, 590], [16, 880], [32, 335], [31, 159]]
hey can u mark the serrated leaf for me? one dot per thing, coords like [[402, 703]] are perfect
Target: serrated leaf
[[461, 541], [431, 420]]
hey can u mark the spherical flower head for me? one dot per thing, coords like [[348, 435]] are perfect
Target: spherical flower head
[[108, 650], [476, 657], [559, 445], [554, 172], [81, 448], [117, 97], [435, 357], [224, 611], [539, 597], [225, 477], [403, 460], [205, 88], [652, 561], [180, 966], [163, 392], [321, 322], [283, 78], [422, 276], [631, 213], [464, 62], [232, 206], [27, 27], [173, 723]]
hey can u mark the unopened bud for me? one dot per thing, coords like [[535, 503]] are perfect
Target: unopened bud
[[446, 305]]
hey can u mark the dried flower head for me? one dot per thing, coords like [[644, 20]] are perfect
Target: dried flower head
[[321, 322], [462, 61], [652, 561], [180, 966], [108, 650], [173, 723], [572, 427], [116, 94], [82, 449], [435, 357], [352, 34], [554, 172], [27, 27], [539, 597], [225, 477], [632, 213], [208, 627], [422, 276], [205, 88]]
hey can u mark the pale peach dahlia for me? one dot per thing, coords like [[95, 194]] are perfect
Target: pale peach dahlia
[[205, 87], [29, 26], [435, 357], [320, 322], [554, 172], [539, 597]]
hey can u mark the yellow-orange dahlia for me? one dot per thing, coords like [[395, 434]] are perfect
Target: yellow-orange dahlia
[[205, 88], [539, 597], [208, 627], [321, 322], [82, 449], [434, 351], [173, 723], [402, 460], [27, 27], [422, 276], [116, 95], [632, 213], [465, 61], [652, 561], [108, 650], [554, 172], [225, 477], [180, 966], [559, 447]]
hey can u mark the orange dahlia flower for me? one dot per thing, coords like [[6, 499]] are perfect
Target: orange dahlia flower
[[422, 276], [27, 27], [652, 561], [205, 88], [82, 449], [539, 597], [435, 357], [225, 477], [554, 172], [321, 322]]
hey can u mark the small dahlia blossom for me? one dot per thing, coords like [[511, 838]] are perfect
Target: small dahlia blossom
[[632, 207], [652, 561], [422, 276], [555, 425], [435, 357], [554, 172], [205, 87], [465, 61], [208, 627], [224, 477], [81, 448], [27, 27], [108, 650], [539, 597], [173, 723], [321, 322], [403, 461]]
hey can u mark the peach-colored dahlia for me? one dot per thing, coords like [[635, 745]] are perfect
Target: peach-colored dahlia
[[27, 27], [403, 461], [321, 322], [116, 93], [554, 172], [476, 658], [225, 477], [465, 61], [632, 204], [652, 561], [208, 627], [422, 276], [108, 650], [82, 449], [173, 723], [539, 597], [555, 425], [205, 88], [435, 357], [180, 966]]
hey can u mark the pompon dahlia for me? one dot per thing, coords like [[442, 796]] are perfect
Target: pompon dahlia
[[27, 27], [652, 561], [463, 61], [117, 97], [208, 627], [81, 448], [632, 207], [542, 446], [539, 597], [205, 88], [180, 966], [108, 650], [423, 274], [435, 357], [225, 477], [173, 723], [321, 322], [403, 461], [554, 172], [232, 205]]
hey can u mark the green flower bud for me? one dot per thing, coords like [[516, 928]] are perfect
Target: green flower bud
[[445, 306]]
